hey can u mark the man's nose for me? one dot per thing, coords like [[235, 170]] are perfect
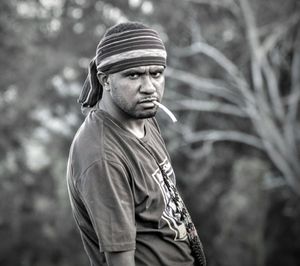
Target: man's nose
[[147, 85]]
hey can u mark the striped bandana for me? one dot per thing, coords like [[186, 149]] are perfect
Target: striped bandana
[[120, 51]]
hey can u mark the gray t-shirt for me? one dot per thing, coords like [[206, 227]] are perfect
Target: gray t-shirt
[[119, 199]]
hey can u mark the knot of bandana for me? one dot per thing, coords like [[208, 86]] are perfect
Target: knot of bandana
[[120, 51]]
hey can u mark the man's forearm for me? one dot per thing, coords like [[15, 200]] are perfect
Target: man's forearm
[[123, 258]]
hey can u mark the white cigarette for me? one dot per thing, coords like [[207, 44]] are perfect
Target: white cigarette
[[167, 111]]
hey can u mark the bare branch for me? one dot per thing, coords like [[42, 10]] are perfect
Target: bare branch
[[195, 27], [260, 66], [277, 148], [279, 31], [228, 5], [272, 85], [267, 129], [293, 103], [209, 86], [208, 106], [212, 52], [253, 39], [283, 166], [222, 61], [293, 106], [221, 135]]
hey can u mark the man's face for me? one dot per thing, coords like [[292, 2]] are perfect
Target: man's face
[[134, 90]]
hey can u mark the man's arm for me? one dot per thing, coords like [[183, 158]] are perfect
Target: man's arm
[[107, 196], [123, 258]]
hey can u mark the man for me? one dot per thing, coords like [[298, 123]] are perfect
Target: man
[[120, 180]]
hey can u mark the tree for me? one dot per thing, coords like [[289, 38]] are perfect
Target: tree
[[266, 93]]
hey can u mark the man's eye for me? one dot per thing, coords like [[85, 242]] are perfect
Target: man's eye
[[133, 75], [156, 74]]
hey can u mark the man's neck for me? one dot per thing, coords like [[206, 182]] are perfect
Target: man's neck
[[133, 125]]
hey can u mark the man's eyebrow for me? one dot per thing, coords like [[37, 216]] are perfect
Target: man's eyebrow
[[157, 68], [134, 70]]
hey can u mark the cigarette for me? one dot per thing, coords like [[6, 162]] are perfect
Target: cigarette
[[167, 111]]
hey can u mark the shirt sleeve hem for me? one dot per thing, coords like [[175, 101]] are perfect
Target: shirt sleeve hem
[[118, 247]]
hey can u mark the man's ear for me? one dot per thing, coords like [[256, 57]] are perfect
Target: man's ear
[[103, 78]]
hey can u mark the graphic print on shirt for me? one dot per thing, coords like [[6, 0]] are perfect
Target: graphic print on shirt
[[171, 213]]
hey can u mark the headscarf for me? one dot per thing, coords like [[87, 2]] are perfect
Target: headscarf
[[120, 51]]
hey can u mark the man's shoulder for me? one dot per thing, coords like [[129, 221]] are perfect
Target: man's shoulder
[[87, 143], [97, 139], [91, 123]]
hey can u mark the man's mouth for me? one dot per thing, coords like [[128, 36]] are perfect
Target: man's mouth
[[148, 100]]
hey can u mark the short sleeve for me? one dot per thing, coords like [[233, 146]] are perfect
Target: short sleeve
[[107, 195]]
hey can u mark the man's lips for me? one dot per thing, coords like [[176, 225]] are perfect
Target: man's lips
[[148, 100]]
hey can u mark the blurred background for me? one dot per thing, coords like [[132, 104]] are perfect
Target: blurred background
[[233, 82]]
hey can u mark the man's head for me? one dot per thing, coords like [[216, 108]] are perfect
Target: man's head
[[129, 45], [126, 46], [133, 91]]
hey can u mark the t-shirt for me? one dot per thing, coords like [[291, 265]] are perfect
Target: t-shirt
[[119, 199]]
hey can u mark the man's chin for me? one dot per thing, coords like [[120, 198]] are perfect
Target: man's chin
[[145, 114]]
